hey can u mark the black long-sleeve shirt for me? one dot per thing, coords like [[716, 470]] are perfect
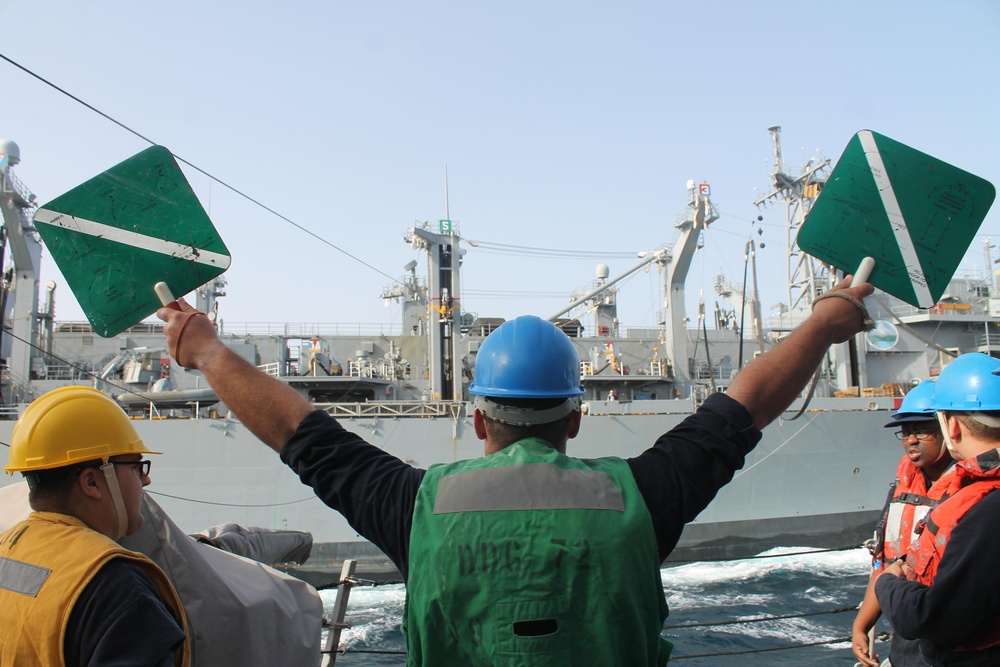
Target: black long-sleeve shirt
[[120, 619], [965, 594], [678, 476]]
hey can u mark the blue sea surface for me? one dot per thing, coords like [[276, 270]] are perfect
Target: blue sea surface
[[783, 582]]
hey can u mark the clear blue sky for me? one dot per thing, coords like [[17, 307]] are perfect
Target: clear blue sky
[[570, 125]]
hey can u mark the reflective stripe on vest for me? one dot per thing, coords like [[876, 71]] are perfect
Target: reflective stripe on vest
[[23, 578], [910, 502], [527, 486]]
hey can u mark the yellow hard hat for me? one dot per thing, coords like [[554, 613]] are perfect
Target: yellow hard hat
[[71, 425]]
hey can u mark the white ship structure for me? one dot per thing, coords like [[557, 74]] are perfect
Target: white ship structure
[[818, 478]]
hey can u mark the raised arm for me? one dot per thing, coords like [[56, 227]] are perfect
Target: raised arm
[[268, 407], [769, 384]]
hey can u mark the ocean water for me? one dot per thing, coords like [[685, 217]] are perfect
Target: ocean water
[[781, 582]]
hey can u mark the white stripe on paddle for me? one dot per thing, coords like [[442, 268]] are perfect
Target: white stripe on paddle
[[123, 236], [896, 221]]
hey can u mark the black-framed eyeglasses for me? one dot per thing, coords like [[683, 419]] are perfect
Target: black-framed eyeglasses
[[919, 435], [142, 467]]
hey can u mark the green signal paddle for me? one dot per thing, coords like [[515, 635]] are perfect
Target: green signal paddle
[[122, 232], [910, 215]]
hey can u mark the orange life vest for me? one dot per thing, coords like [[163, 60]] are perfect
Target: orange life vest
[[910, 501], [967, 485]]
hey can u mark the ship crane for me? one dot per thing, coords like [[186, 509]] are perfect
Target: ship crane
[[604, 285], [675, 262]]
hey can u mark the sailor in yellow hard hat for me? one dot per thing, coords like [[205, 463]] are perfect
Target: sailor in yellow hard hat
[[69, 594]]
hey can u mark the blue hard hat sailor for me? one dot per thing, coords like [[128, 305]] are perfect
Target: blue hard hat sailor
[[527, 372], [970, 385], [917, 405]]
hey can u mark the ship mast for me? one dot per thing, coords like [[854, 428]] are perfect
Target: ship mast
[[18, 205], [444, 310], [807, 279]]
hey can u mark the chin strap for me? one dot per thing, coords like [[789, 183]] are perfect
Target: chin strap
[[943, 421], [108, 469], [943, 451]]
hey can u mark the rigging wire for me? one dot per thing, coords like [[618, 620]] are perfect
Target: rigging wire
[[212, 177], [490, 247], [502, 248], [209, 502]]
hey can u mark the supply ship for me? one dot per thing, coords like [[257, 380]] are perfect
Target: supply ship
[[818, 478]]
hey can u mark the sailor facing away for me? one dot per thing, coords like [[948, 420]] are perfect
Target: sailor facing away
[[69, 594], [526, 556]]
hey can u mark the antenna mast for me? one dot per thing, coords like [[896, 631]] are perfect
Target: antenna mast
[[806, 278], [447, 210]]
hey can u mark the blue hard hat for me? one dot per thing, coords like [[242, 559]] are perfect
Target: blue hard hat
[[969, 384], [527, 357], [917, 405]]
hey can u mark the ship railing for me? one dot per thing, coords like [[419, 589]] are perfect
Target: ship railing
[[720, 372], [785, 321], [368, 369], [273, 369], [309, 329], [944, 308], [659, 368], [387, 409], [988, 341], [69, 326], [26, 198], [64, 371]]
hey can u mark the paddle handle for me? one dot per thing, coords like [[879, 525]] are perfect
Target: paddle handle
[[864, 270], [166, 296]]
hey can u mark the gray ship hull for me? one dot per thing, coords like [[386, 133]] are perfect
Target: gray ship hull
[[819, 480]]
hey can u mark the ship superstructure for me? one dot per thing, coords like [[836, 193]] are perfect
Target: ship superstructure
[[818, 478]]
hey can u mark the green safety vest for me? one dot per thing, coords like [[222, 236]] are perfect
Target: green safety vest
[[530, 557]]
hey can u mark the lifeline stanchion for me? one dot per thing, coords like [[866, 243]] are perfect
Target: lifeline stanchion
[[339, 611]]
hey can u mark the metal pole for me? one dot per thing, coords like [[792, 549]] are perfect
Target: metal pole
[[339, 611]]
